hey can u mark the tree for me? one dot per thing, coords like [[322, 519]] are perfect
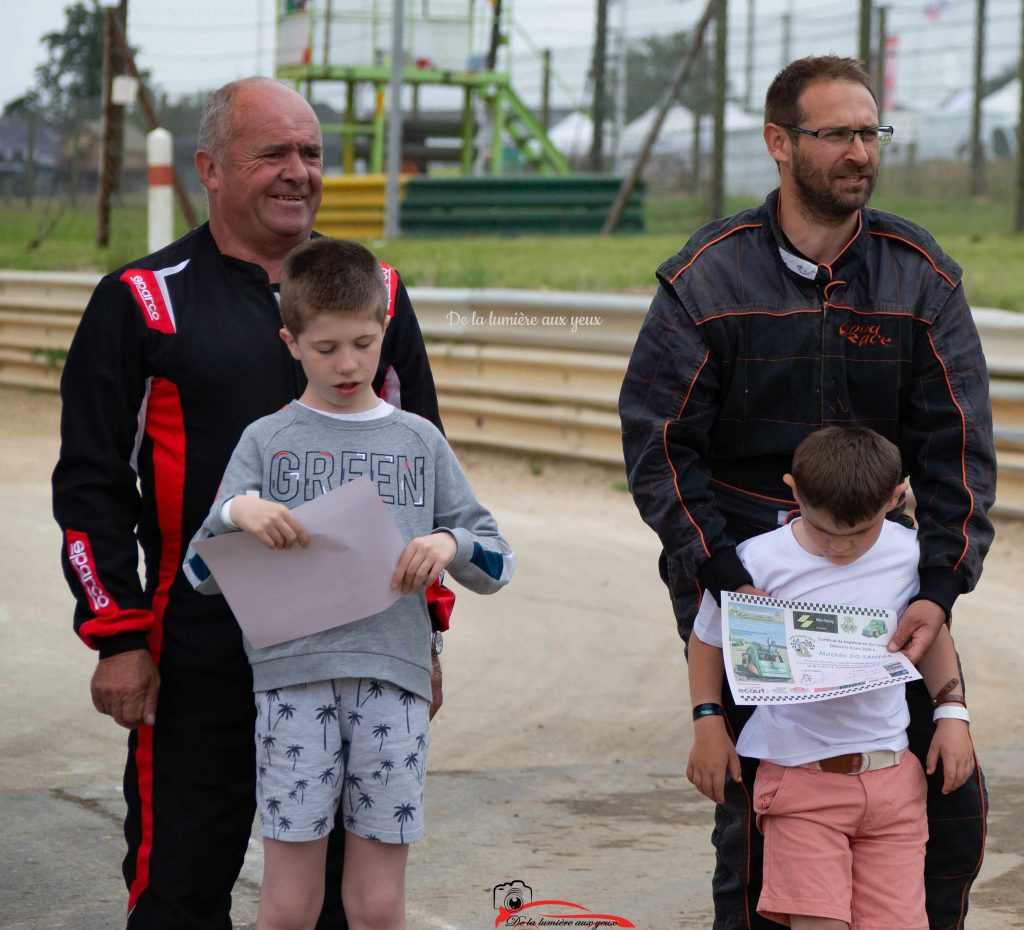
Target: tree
[[70, 82], [649, 68]]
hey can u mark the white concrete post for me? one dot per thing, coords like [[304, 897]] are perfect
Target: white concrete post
[[161, 189]]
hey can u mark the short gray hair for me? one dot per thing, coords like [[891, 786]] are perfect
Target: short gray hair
[[216, 126]]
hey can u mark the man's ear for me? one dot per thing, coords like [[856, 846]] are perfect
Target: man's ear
[[787, 480], [289, 340], [206, 168], [899, 495], [778, 141]]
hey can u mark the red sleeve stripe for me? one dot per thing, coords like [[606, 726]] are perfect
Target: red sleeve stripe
[[124, 621], [963, 453], [81, 559], [147, 293], [391, 280], [668, 458], [166, 429], [109, 619]]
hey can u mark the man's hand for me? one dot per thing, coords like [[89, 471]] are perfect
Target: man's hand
[[750, 589], [711, 755], [436, 690], [271, 523], [423, 560], [952, 743], [918, 627], [125, 687]]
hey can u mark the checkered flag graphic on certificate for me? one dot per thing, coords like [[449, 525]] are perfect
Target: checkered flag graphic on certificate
[[845, 609]]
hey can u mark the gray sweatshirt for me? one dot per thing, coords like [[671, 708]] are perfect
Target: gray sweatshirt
[[297, 454]]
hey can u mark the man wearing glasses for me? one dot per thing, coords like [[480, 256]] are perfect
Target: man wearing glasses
[[811, 311]]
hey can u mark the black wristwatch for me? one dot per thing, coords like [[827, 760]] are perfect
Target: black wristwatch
[[436, 643]]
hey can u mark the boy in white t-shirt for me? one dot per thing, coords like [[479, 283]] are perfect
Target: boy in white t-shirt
[[838, 796]]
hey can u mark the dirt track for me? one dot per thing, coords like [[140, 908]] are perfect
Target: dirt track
[[556, 759]]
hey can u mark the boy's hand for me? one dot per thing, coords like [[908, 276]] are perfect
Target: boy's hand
[[711, 755], [952, 743], [271, 523], [423, 560]]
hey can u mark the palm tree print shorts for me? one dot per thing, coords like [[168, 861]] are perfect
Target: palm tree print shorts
[[358, 741]]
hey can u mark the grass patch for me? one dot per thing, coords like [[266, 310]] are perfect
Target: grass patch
[[976, 233], [51, 358], [55, 236]]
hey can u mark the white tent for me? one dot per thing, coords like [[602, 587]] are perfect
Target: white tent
[[946, 132], [674, 137], [676, 132], [572, 135]]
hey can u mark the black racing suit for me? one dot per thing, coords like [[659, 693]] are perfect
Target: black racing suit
[[174, 356], [746, 349]]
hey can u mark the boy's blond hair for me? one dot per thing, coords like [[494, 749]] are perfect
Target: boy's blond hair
[[331, 276], [848, 473]]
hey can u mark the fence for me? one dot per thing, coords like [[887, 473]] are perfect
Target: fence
[[527, 371]]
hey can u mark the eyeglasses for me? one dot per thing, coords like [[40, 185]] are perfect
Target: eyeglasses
[[870, 135]]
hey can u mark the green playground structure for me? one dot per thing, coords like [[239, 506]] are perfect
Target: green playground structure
[[519, 183], [450, 44]]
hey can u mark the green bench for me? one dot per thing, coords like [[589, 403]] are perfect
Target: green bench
[[515, 206]]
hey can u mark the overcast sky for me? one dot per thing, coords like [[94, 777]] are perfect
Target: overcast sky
[[192, 45]]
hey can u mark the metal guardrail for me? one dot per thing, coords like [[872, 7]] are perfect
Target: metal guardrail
[[531, 371]]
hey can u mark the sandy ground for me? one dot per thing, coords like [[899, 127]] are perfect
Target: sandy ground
[[556, 759]]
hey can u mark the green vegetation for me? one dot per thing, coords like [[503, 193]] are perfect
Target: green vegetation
[[976, 232], [54, 237]]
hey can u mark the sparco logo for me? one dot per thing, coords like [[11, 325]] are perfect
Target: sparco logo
[[78, 555], [146, 297]]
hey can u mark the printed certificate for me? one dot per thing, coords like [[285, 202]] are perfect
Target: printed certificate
[[782, 652]]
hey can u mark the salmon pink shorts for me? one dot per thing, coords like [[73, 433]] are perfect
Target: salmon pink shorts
[[849, 847]]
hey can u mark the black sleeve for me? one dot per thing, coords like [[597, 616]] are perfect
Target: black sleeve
[[406, 355], [403, 361], [668, 404], [96, 499], [947, 439]]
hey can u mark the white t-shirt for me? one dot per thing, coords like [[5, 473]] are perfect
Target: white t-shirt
[[885, 576]]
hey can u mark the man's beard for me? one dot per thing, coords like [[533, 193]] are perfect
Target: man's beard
[[819, 201]]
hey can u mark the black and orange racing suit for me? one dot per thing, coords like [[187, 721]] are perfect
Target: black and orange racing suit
[[747, 348]]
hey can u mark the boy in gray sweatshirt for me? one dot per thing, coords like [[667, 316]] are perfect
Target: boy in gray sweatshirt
[[343, 714]]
